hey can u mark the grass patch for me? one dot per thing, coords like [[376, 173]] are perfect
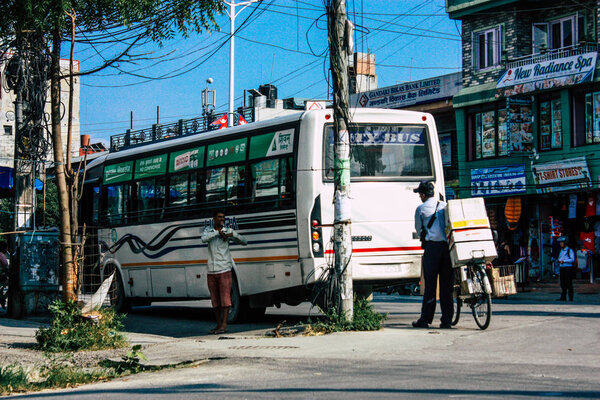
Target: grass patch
[[57, 374], [13, 378], [61, 372], [364, 319], [70, 331]]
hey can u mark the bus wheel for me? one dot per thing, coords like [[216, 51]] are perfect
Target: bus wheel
[[116, 292], [239, 305]]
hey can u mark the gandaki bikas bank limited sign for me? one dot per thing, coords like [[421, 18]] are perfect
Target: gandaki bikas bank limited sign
[[548, 74], [561, 175]]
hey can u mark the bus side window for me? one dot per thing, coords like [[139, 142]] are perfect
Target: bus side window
[[265, 176], [149, 198], [236, 183], [193, 189], [178, 190], [161, 197], [115, 204], [286, 181], [95, 205], [215, 185]]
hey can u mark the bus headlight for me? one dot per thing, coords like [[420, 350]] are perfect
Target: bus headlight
[[316, 247]]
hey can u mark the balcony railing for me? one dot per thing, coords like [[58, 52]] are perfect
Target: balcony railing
[[554, 54], [159, 132]]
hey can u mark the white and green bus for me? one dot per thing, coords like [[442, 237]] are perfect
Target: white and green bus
[[274, 179]]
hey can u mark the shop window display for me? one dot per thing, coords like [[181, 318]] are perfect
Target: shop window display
[[491, 137], [550, 125], [519, 125]]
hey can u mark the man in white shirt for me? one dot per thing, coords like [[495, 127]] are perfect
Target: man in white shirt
[[429, 219], [220, 265]]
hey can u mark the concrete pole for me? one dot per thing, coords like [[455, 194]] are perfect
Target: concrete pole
[[232, 14], [231, 62], [338, 54]]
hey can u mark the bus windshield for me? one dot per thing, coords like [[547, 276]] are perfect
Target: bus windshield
[[383, 151]]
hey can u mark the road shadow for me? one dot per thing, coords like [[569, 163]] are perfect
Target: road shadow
[[233, 391], [188, 321]]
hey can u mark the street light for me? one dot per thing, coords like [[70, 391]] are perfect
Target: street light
[[232, 14], [208, 103]]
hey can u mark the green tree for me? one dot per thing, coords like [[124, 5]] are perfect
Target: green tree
[[49, 23]]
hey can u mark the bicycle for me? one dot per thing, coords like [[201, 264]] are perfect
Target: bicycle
[[472, 287]]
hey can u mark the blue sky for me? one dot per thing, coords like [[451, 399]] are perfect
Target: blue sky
[[284, 42]]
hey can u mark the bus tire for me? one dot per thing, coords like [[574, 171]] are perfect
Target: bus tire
[[116, 292], [239, 309]]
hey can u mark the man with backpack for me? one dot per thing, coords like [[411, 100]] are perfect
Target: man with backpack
[[431, 225], [566, 263]]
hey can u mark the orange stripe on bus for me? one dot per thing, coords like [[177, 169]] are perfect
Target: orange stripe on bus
[[188, 262]]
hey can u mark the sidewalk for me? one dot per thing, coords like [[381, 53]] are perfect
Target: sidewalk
[[580, 286], [17, 337]]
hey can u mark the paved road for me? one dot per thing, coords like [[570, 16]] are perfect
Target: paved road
[[535, 348]]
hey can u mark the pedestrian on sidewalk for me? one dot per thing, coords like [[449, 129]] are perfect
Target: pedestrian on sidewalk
[[431, 225], [566, 263], [220, 265]]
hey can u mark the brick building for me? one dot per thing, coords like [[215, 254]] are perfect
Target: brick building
[[528, 119]]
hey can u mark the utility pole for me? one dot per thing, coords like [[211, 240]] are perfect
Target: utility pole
[[232, 14], [340, 47], [24, 173]]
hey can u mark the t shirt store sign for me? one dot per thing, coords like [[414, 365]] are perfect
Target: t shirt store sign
[[548, 74]]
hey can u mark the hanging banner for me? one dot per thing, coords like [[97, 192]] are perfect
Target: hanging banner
[[118, 173], [548, 74], [561, 175], [446, 149], [496, 181], [151, 166], [187, 159], [409, 93], [272, 144], [226, 152]]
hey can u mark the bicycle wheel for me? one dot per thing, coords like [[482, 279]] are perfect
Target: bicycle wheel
[[457, 306], [481, 304]]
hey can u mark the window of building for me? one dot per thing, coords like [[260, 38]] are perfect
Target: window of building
[[8, 129], [556, 34], [540, 38], [592, 118], [486, 46], [550, 125]]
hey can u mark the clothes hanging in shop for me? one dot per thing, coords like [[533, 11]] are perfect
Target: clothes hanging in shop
[[572, 206], [590, 206], [588, 240]]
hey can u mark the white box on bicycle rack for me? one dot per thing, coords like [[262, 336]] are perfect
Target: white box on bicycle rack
[[469, 235], [466, 213], [463, 252]]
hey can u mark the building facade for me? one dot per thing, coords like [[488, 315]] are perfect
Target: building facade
[[528, 122], [8, 124]]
